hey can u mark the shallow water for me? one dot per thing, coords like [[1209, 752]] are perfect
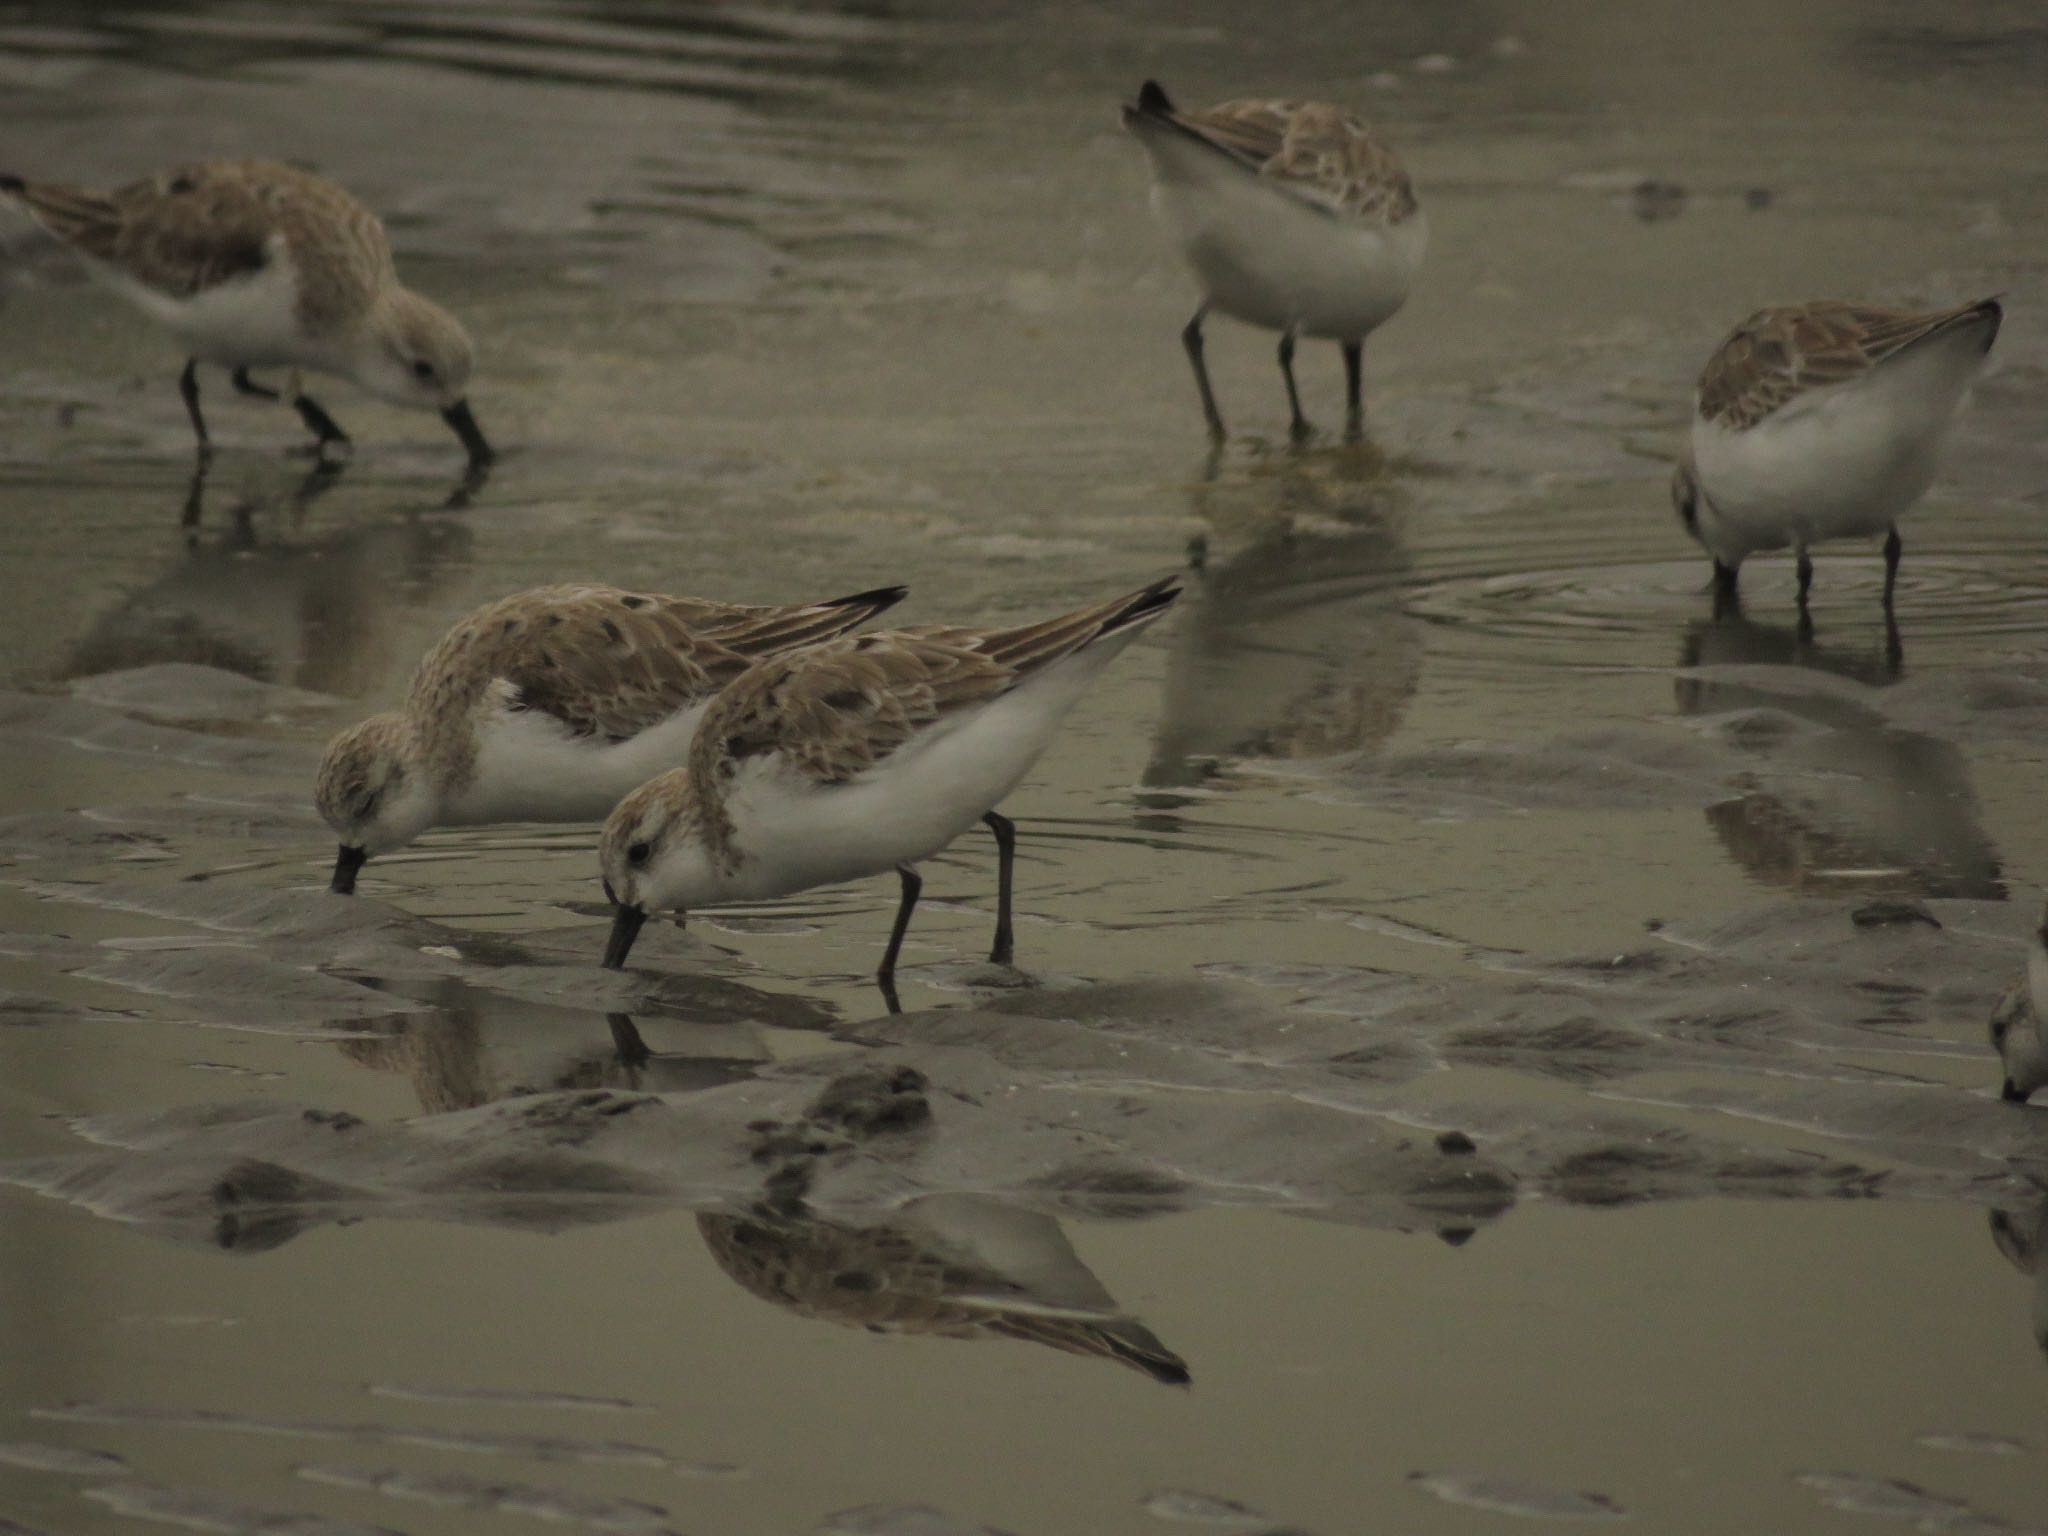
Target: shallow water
[[1493, 1033]]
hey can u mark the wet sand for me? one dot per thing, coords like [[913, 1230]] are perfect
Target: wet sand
[[1504, 1044]]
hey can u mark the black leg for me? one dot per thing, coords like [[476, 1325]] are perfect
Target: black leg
[[626, 1040], [1354, 389], [1805, 578], [1894, 546], [245, 385], [1299, 426], [319, 423], [188, 390], [1727, 599], [912, 884], [1191, 338], [195, 494], [1006, 861]]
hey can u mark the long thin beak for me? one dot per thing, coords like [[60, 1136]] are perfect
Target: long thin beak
[[626, 923], [346, 866], [458, 417]]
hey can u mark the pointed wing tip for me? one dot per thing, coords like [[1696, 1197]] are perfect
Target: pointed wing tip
[[1148, 600], [1152, 103], [877, 599]]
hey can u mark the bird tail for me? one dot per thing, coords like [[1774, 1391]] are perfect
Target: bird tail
[[1034, 646]]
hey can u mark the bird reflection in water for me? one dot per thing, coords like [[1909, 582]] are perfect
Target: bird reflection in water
[[953, 1266], [1841, 799], [476, 1047], [2022, 1236], [1293, 641], [261, 597]]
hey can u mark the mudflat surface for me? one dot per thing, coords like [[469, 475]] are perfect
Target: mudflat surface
[[1496, 1043]]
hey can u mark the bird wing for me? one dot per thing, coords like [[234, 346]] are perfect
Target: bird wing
[[833, 711], [1779, 354], [610, 663], [195, 227], [1324, 155]]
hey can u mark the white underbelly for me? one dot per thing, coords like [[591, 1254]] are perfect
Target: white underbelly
[[529, 768], [1845, 461], [1265, 258], [792, 837], [246, 322]]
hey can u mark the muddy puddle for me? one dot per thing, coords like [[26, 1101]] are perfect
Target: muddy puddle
[[1503, 1043]]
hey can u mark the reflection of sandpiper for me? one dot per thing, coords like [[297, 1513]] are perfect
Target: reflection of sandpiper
[[258, 264], [1296, 646], [1292, 217], [476, 1047], [263, 598], [1849, 802], [2023, 1238], [950, 1266]]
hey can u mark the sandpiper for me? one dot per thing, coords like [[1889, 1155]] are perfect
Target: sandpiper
[[256, 264], [2016, 1029], [549, 705], [1292, 217], [950, 1266], [1822, 421], [866, 753]]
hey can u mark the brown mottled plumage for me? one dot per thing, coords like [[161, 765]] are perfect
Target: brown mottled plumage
[[1778, 354], [191, 228], [602, 661], [857, 756], [1313, 149], [901, 1278], [598, 672]]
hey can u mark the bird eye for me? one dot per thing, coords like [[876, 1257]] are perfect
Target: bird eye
[[637, 854], [423, 369]]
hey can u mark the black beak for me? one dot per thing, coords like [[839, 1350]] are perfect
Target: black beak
[[457, 416], [346, 866], [626, 923], [2010, 1092]]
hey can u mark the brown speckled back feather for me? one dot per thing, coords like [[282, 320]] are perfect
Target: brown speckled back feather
[[1778, 354], [833, 711], [1317, 151], [885, 1280], [195, 227]]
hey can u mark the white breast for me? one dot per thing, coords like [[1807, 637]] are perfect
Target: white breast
[[1266, 257], [530, 768], [1845, 460], [793, 835]]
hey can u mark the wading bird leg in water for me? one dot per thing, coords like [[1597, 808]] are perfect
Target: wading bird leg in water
[[188, 391], [912, 884], [626, 1040], [1006, 859], [1354, 390], [1298, 428], [1191, 338]]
